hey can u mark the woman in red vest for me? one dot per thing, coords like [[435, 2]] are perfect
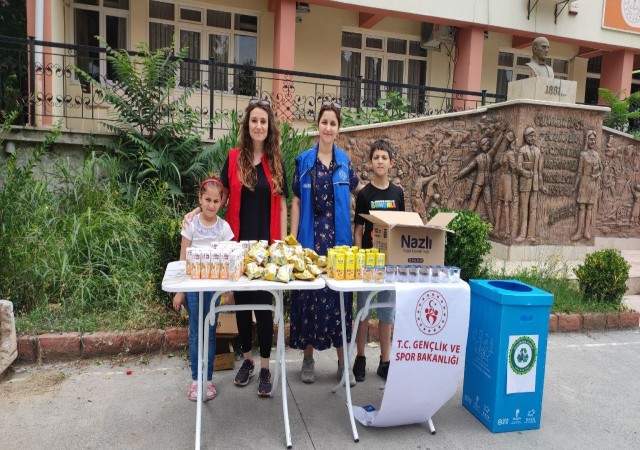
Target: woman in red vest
[[255, 184]]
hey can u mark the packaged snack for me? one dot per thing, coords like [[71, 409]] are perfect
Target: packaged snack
[[284, 273], [224, 265], [321, 261], [291, 240], [288, 252], [235, 266], [253, 271], [270, 272], [206, 263], [305, 275], [298, 263], [315, 270], [311, 254]]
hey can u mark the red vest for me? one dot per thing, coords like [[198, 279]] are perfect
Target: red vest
[[235, 194]]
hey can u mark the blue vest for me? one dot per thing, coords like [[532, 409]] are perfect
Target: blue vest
[[341, 197]]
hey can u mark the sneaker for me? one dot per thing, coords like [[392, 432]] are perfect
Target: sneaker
[[352, 378], [360, 368], [264, 383], [246, 371], [308, 375], [383, 369]]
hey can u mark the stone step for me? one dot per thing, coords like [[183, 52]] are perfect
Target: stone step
[[633, 284]]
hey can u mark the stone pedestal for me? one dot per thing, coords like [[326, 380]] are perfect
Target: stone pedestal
[[8, 342], [548, 89]]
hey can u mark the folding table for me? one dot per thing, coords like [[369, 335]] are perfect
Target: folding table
[[176, 280]]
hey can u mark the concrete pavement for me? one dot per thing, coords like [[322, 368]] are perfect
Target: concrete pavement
[[590, 401]]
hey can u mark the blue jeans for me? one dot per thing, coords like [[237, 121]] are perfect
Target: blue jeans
[[386, 315], [192, 309]]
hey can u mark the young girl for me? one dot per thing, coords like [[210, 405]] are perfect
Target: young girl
[[320, 219], [204, 229]]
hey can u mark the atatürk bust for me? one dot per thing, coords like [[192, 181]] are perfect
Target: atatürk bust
[[537, 64]]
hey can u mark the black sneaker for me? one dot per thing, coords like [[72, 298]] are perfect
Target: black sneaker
[[246, 371], [360, 368], [264, 383], [383, 369]]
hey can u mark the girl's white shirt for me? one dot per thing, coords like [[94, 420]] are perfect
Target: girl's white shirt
[[202, 236]]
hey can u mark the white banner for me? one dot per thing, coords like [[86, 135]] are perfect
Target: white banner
[[427, 357], [522, 363]]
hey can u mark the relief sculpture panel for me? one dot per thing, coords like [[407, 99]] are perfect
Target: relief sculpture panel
[[540, 174]]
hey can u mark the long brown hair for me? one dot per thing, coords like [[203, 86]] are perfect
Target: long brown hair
[[273, 154]]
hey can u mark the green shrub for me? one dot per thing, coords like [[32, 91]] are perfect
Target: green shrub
[[468, 244], [603, 276]]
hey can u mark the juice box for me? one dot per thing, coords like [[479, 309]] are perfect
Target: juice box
[[380, 260], [330, 260], [371, 259], [339, 266], [349, 266]]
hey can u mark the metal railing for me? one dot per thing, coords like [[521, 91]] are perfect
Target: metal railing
[[38, 78]]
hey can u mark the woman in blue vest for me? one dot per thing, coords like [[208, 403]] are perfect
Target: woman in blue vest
[[321, 219]]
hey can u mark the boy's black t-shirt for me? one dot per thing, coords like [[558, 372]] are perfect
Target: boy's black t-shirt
[[371, 198]]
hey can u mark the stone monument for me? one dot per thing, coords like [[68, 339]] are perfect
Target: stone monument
[[541, 84], [8, 342]]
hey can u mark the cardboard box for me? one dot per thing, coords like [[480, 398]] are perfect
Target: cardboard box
[[225, 357], [406, 240], [227, 326]]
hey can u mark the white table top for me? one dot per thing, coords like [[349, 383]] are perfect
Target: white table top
[[359, 285], [176, 280]]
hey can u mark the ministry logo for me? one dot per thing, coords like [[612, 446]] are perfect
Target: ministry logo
[[432, 312]]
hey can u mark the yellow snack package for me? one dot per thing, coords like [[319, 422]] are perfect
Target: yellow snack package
[[331, 256], [298, 263], [311, 254], [270, 272], [305, 275], [321, 261], [370, 259], [253, 271], [284, 273], [315, 270], [291, 240]]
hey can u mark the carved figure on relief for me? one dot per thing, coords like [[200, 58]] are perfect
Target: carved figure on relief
[[587, 187], [481, 164], [505, 165], [423, 181], [529, 169], [635, 209]]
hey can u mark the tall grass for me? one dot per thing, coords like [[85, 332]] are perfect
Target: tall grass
[[75, 254], [553, 276]]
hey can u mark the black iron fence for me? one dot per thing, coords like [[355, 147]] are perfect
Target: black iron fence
[[38, 79]]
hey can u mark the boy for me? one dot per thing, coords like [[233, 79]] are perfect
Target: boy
[[380, 193]]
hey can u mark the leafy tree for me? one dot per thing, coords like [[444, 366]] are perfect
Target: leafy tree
[[157, 132], [624, 112]]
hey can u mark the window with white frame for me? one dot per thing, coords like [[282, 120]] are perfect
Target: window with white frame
[[208, 34], [513, 67], [381, 58], [107, 19]]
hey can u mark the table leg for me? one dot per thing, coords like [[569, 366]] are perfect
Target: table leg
[[345, 375], [431, 427], [200, 357], [280, 365]]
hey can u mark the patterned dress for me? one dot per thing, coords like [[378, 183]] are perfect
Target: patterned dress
[[315, 315]]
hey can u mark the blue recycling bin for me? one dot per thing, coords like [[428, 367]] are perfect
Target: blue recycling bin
[[506, 353]]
